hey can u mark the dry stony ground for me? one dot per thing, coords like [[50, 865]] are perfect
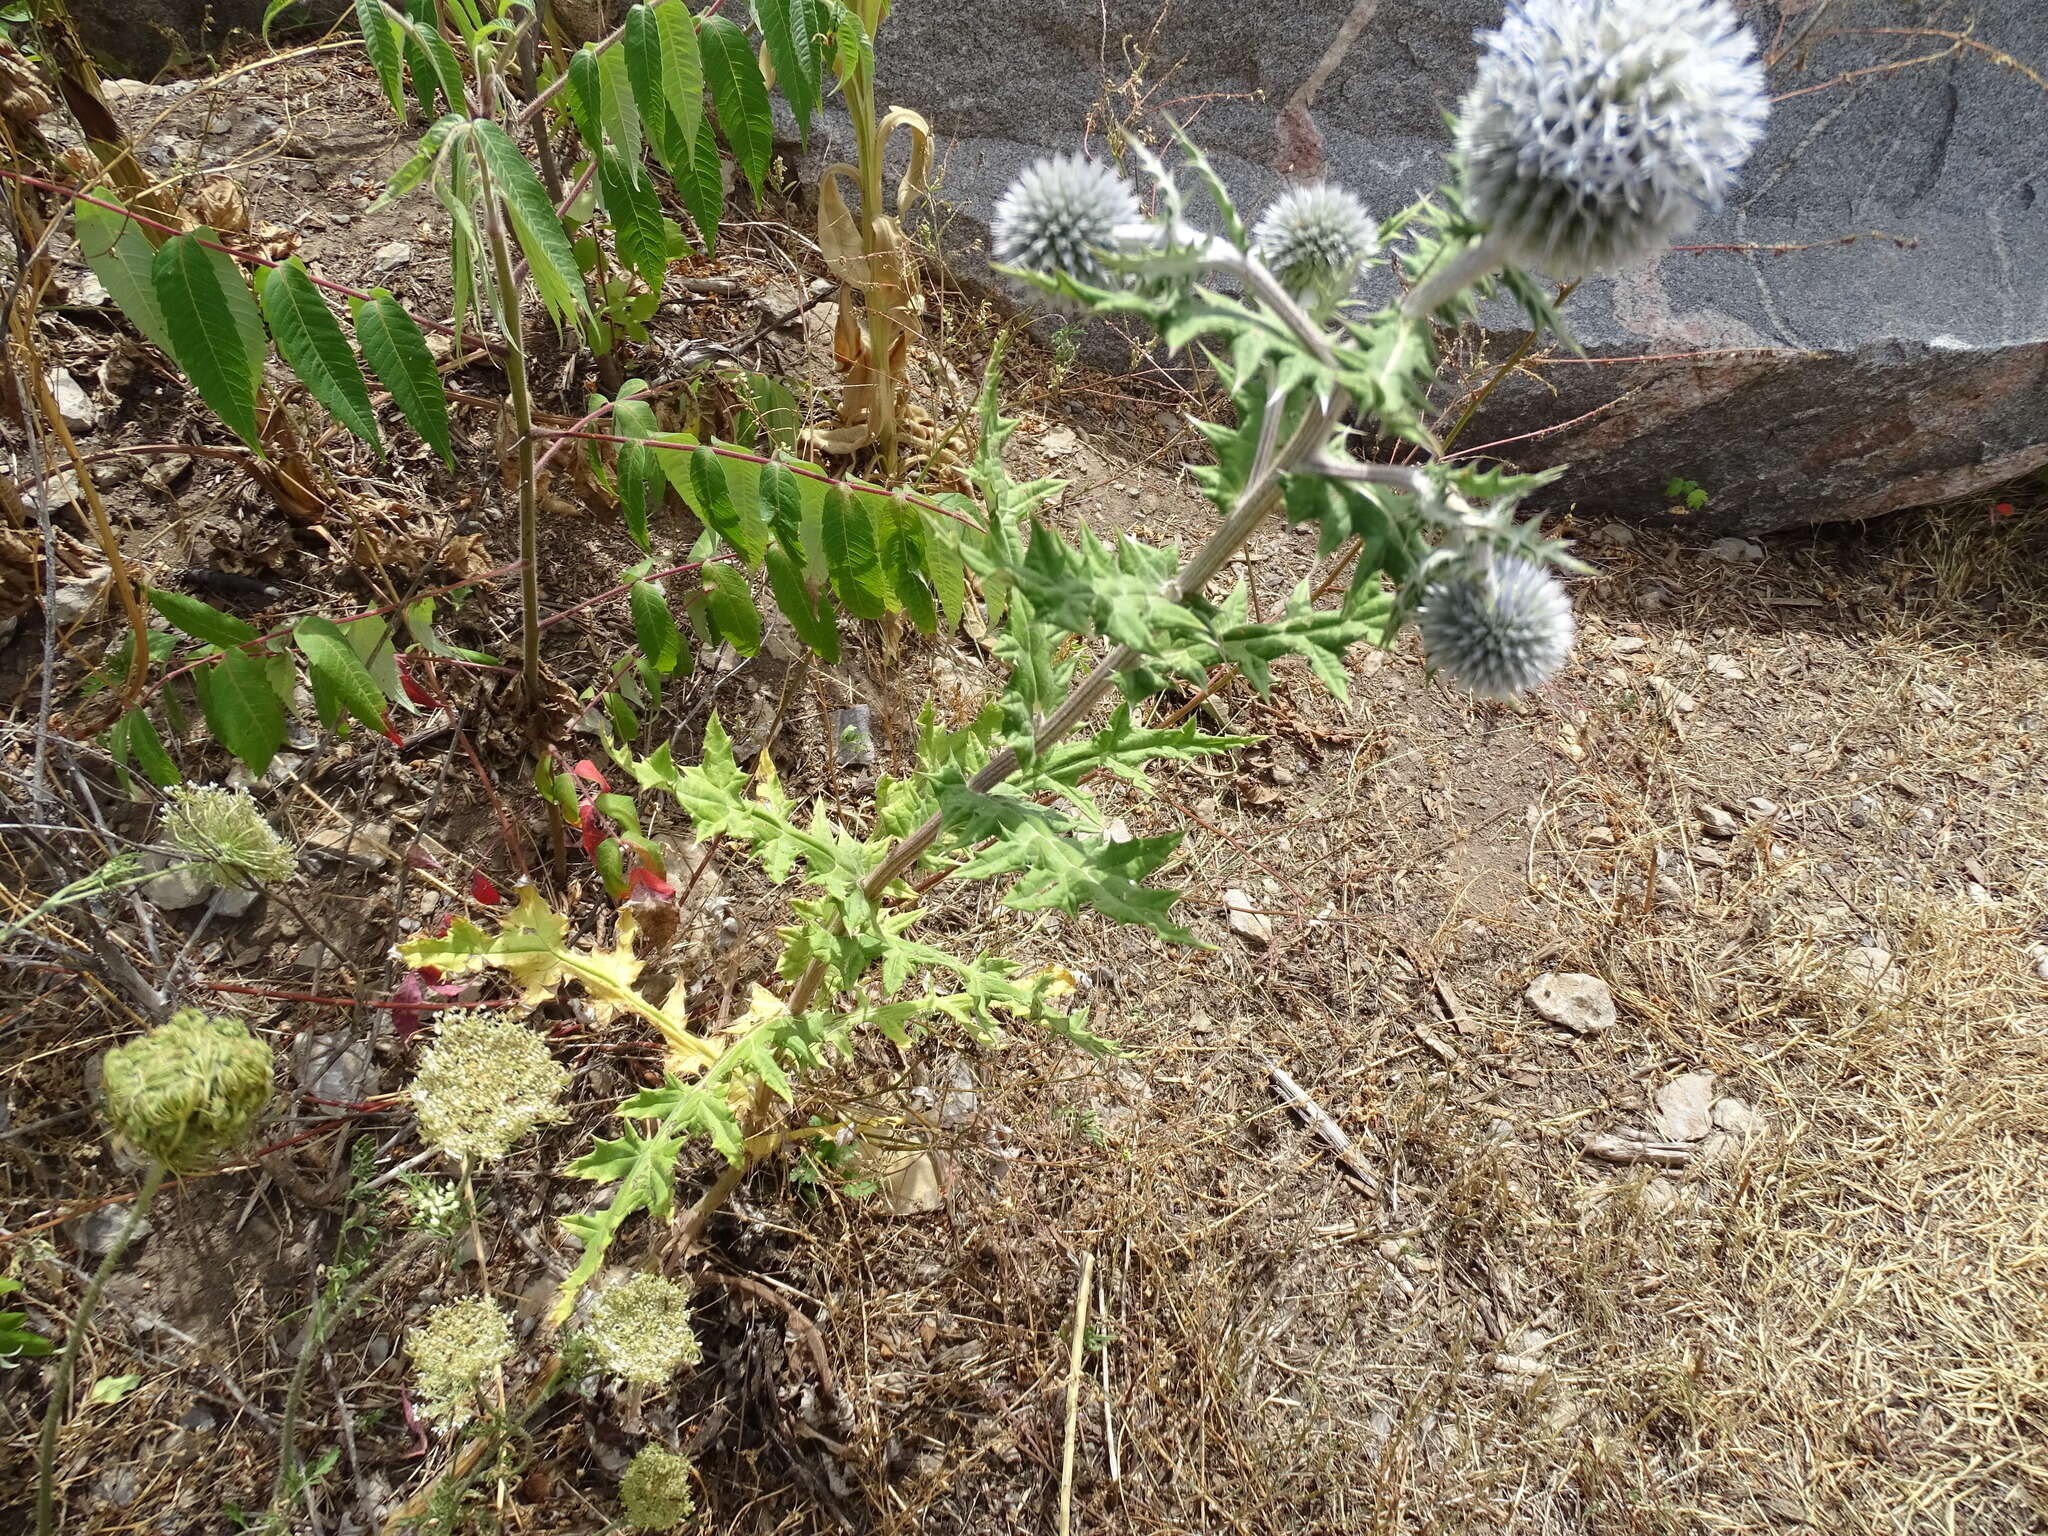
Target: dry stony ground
[[1767, 1252]]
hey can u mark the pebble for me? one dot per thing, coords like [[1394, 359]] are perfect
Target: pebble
[[392, 256], [365, 847], [1716, 821], [1245, 920], [75, 600], [95, 1231], [1874, 969], [1582, 1004], [1612, 536], [1685, 1107], [73, 403], [1736, 551]]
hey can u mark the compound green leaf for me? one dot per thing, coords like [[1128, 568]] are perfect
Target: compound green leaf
[[241, 708], [121, 257], [215, 331], [380, 43], [202, 621], [741, 96], [338, 671], [549, 258]]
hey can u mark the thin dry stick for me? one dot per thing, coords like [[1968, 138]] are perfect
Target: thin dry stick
[[1074, 1393], [1296, 1098]]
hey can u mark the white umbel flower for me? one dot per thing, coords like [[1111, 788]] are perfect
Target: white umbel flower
[[1315, 238], [1060, 215], [1501, 629], [1598, 129]]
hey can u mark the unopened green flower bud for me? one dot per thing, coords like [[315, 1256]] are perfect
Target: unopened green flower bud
[[188, 1092], [657, 1490]]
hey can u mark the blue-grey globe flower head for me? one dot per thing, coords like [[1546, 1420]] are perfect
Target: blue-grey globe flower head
[[1060, 215], [1315, 238], [1501, 625], [1598, 129]]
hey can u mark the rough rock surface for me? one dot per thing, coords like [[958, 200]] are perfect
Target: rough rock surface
[[140, 37], [1796, 386]]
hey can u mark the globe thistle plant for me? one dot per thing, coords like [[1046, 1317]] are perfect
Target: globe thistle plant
[[639, 1330], [1315, 239], [483, 1084], [458, 1347], [189, 1091], [1499, 624], [224, 835], [1597, 129], [1061, 215], [656, 1491]]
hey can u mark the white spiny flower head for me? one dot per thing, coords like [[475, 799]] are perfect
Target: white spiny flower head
[[1598, 129], [1315, 238], [1060, 215], [1499, 624]]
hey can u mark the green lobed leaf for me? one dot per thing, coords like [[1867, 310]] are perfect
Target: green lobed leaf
[[550, 261], [741, 96], [397, 354], [121, 257], [310, 341], [216, 333], [644, 1170]]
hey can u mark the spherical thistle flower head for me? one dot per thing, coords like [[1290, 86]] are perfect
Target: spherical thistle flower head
[[223, 833], [458, 1348], [188, 1092], [1315, 238], [1060, 215], [656, 1491], [1500, 628], [484, 1083], [639, 1330], [1598, 129]]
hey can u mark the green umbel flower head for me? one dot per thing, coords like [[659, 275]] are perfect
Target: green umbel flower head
[[454, 1352], [223, 833], [657, 1491], [485, 1082], [639, 1330], [188, 1092]]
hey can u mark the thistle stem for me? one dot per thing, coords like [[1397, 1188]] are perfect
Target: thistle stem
[[1450, 278], [67, 1363]]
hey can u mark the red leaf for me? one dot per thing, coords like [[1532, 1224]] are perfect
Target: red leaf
[[592, 836], [481, 889], [586, 770], [641, 878], [2002, 509], [392, 736], [413, 690]]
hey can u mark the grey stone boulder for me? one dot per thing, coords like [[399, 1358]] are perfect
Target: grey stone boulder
[[1864, 328]]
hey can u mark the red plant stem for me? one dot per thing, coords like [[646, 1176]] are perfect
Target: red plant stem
[[592, 602]]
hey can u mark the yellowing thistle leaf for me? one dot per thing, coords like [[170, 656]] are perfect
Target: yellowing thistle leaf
[[533, 947]]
